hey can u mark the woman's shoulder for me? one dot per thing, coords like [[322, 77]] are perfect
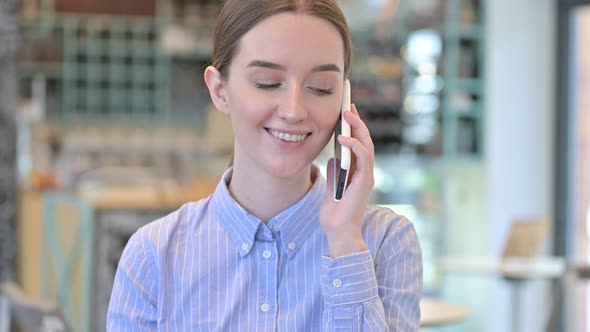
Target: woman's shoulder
[[385, 217], [388, 233], [163, 230]]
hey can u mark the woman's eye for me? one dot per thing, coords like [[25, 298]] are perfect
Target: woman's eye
[[321, 92], [267, 86]]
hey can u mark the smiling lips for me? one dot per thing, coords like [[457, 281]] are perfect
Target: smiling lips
[[287, 137]]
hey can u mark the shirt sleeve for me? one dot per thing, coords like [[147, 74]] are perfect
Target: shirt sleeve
[[382, 294], [133, 304]]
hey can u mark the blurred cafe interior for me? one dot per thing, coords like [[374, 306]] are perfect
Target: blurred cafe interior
[[479, 111]]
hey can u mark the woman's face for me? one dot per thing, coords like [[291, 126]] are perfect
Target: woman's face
[[283, 93]]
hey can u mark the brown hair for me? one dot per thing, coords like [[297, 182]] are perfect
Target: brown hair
[[239, 16]]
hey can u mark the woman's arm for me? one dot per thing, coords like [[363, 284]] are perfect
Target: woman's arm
[[362, 294]]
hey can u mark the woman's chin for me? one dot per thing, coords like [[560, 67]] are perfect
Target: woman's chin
[[288, 169]]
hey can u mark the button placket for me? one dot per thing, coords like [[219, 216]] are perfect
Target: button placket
[[267, 259]]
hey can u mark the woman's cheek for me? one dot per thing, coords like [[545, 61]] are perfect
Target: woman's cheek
[[258, 103], [329, 106]]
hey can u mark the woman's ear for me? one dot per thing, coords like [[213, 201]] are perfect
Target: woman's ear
[[217, 88]]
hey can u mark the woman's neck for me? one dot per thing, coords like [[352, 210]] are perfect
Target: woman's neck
[[264, 195]]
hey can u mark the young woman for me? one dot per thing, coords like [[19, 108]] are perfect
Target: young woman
[[270, 250]]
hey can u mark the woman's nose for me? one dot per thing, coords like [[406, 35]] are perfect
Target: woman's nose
[[293, 108]]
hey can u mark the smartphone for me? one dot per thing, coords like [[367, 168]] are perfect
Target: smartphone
[[342, 153]]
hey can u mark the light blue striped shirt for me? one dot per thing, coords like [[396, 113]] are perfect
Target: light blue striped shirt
[[211, 266]]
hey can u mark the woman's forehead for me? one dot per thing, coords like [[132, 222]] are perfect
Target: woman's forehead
[[285, 37]]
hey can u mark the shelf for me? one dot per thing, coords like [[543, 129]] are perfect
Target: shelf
[[462, 105]]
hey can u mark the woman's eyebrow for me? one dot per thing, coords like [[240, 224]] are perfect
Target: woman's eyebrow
[[266, 64], [275, 66], [328, 67]]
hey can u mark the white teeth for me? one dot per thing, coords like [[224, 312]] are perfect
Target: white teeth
[[288, 137]]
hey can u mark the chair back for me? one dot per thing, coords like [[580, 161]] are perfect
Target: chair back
[[526, 238]]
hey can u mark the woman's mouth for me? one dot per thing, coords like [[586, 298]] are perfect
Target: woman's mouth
[[287, 137]]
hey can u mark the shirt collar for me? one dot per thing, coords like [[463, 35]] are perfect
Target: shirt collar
[[237, 222], [295, 224]]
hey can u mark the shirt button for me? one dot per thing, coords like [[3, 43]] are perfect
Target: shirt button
[[337, 283], [266, 254], [275, 228], [292, 245], [244, 246], [265, 307]]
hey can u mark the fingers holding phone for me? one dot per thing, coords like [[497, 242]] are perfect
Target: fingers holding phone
[[342, 211], [353, 149], [362, 148]]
